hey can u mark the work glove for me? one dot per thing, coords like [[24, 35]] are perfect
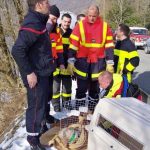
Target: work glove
[[110, 68], [70, 68]]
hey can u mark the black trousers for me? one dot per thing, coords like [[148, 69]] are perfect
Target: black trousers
[[87, 85], [65, 92], [38, 108]]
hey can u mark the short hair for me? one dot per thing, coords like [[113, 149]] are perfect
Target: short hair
[[67, 15], [94, 7], [32, 3], [80, 15], [125, 29], [105, 75]]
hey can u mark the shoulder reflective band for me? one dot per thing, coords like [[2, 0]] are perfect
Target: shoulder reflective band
[[133, 54], [33, 30], [82, 32], [104, 32]]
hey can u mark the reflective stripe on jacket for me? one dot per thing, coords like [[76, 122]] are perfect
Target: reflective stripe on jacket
[[126, 58], [116, 88], [56, 41], [90, 43]]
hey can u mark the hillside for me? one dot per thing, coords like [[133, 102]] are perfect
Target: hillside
[[74, 6]]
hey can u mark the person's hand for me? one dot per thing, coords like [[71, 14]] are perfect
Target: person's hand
[[110, 68], [70, 68], [62, 69], [32, 80], [62, 66]]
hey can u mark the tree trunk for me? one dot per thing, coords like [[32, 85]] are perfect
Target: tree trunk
[[11, 16]]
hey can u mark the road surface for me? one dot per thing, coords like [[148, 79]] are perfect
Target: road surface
[[142, 72]]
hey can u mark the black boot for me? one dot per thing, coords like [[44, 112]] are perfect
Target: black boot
[[37, 147]]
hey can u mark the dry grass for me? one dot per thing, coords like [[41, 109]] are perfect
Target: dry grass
[[10, 110]]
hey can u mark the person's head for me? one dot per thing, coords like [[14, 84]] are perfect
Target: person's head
[[92, 13], [41, 6], [65, 21], [123, 31], [105, 79], [54, 14], [80, 17]]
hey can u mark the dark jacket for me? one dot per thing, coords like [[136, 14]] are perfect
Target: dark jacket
[[32, 49], [125, 55]]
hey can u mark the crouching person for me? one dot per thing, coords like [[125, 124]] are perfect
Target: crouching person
[[116, 85]]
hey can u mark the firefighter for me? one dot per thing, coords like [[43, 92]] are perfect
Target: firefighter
[[63, 77], [111, 85], [91, 51], [80, 17], [57, 51], [116, 85], [126, 57], [33, 55]]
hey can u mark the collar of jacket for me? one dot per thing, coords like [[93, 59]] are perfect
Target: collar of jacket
[[98, 20], [43, 18], [124, 40], [69, 30]]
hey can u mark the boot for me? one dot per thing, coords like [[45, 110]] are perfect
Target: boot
[[37, 147]]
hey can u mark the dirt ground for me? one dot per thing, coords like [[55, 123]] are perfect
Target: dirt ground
[[9, 111]]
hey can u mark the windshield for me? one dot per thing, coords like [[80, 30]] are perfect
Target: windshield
[[140, 31]]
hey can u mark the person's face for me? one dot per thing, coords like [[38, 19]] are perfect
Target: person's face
[[53, 19], [43, 7], [119, 33], [92, 16], [104, 83], [65, 23]]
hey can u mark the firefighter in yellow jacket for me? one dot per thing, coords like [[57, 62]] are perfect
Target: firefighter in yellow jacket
[[126, 57], [91, 51]]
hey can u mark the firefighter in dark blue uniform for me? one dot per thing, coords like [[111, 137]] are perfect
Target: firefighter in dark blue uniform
[[32, 52], [126, 57]]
